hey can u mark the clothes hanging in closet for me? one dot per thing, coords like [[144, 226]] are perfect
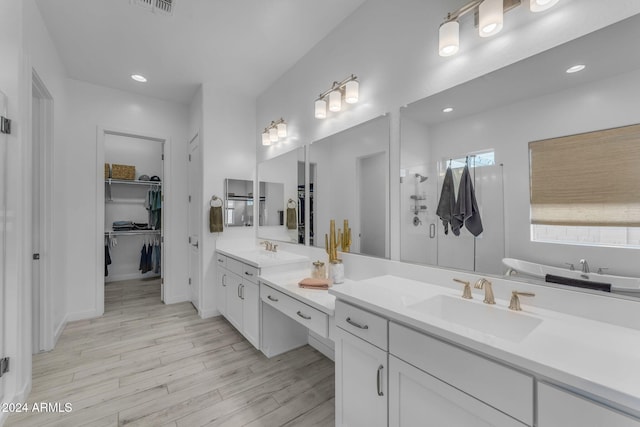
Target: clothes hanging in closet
[[158, 258], [153, 203], [107, 257], [146, 258]]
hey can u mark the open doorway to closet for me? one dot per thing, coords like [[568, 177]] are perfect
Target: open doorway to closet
[[133, 218]]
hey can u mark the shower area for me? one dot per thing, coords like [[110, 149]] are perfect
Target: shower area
[[425, 157]]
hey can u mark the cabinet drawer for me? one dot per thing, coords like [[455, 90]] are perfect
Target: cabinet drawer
[[250, 273], [361, 323], [308, 316], [221, 260], [503, 388]]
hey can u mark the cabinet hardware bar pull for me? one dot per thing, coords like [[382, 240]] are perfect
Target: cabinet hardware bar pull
[[248, 274], [272, 298], [242, 292], [356, 324], [379, 380], [299, 313], [224, 276], [220, 260], [239, 292]]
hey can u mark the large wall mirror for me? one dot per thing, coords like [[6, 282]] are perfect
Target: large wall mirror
[[238, 204], [281, 213], [349, 180], [487, 124]]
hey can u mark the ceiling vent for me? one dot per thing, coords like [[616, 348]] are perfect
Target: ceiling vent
[[159, 6]]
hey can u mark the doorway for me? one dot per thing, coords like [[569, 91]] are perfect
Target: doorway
[[3, 227], [194, 227], [372, 186], [41, 186]]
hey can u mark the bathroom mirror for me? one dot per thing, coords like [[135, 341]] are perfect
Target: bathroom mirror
[[493, 119], [238, 204], [282, 197], [349, 180]]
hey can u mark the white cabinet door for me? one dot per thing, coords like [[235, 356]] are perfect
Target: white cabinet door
[[234, 302], [221, 290], [557, 407], [361, 382], [417, 399], [251, 312]]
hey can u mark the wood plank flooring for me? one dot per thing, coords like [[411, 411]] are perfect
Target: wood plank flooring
[[148, 364]]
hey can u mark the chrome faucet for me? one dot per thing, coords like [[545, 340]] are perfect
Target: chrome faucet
[[585, 266], [488, 291], [466, 293]]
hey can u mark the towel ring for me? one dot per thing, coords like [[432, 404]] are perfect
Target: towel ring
[[216, 202], [291, 204]]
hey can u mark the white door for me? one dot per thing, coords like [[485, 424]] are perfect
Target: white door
[[36, 300], [3, 224], [194, 223], [361, 382], [372, 188], [417, 399]]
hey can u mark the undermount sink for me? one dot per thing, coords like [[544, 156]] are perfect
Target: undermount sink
[[488, 319]]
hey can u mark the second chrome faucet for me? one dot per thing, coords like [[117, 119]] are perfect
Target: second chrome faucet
[[488, 290]]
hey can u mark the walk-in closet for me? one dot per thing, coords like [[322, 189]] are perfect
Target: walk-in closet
[[133, 200]]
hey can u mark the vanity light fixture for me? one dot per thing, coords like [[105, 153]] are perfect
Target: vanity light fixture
[[575, 68], [348, 88], [489, 18], [272, 133], [139, 78]]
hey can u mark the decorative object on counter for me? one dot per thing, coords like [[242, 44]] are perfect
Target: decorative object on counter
[[277, 129], [319, 271], [349, 87], [345, 237], [466, 293], [215, 215], [107, 171], [315, 283], [331, 241], [292, 216], [336, 271], [123, 172]]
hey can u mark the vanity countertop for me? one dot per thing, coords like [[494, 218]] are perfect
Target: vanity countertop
[[598, 358], [287, 282], [259, 257]]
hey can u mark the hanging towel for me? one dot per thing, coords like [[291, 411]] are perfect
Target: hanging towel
[[215, 219], [466, 210], [447, 202], [292, 219]]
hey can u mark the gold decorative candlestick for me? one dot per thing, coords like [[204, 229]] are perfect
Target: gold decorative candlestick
[[346, 237], [332, 241]]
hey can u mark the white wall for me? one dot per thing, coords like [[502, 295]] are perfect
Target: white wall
[[599, 105], [228, 151], [91, 106], [392, 47]]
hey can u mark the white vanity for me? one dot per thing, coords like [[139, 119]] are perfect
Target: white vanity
[[408, 348]]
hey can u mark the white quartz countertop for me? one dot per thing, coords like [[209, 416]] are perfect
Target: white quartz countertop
[[259, 257], [600, 359], [287, 282]]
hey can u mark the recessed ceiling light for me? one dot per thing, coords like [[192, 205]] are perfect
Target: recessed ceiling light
[[139, 78], [575, 69], [447, 110]]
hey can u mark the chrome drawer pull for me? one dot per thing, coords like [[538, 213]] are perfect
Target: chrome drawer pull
[[220, 260], [248, 274], [272, 298], [299, 313], [356, 324], [379, 380], [224, 276]]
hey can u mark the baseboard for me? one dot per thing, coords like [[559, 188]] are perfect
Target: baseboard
[[129, 276], [205, 314], [59, 330], [20, 397], [81, 315], [176, 299], [323, 345]]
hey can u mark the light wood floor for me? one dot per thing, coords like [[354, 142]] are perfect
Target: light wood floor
[[146, 363]]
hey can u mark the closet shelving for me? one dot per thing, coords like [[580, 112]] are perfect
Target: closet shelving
[[132, 232], [109, 182]]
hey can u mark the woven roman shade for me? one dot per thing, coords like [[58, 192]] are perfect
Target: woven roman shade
[[587, 179]]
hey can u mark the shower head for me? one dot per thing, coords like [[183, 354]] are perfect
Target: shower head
[[422, 178]]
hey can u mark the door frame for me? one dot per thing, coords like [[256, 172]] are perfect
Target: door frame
[[167, 290], [46, 183], [197, 203]]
